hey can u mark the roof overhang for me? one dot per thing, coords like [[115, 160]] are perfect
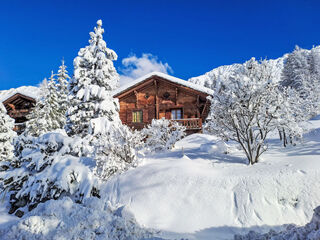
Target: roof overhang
[[145, 80]]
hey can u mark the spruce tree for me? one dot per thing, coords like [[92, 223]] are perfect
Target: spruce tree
[[6, 137], [301, 72], [90, 89], [35, 125], [62, 91], [52, 108], [46, 116]]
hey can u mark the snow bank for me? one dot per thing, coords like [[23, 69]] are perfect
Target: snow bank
[[48, 167], [202, 194], [64, 219], [310, 231]]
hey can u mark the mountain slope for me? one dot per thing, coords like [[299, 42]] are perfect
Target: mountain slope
[[208, 78]]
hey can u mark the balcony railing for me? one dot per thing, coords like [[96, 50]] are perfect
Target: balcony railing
[[18, 113], [191, 123]]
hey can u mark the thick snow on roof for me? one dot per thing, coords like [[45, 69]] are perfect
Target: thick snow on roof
[[29, 91], [167, 77]]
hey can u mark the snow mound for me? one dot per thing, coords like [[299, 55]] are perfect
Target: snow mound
[[29, 91], [48, 167], [310, 231], [196, 192], [64, 219]]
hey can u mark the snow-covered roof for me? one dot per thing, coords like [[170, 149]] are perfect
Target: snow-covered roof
[[29, 91], [167, 77]]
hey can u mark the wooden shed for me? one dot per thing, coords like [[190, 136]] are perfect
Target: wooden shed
[[158, 95]]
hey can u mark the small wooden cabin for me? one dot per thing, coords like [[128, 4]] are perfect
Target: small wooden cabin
[[18, 107], [158, 95]]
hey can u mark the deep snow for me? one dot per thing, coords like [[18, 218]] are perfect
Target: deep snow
[[196, 191]]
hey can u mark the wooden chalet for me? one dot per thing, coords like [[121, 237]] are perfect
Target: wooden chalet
[[18, 107], [158, 95]]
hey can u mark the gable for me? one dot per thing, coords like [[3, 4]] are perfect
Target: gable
[[19, 101], [152, 80]]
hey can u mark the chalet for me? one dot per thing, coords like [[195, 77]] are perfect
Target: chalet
[[158, 95], [18, 103]]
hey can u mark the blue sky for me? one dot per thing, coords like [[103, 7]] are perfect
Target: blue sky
[[192, 37]]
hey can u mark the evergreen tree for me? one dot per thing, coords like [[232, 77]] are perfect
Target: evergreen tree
[[46, 116], [301, 72], [62, 91], [296, 69], [6, 138], [90, 88], [36, 124]]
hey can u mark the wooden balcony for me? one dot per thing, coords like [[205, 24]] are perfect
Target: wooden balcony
[[18, 113], [191, 123]]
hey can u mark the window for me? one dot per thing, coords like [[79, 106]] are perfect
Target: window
[[137, 117], [176, 114]]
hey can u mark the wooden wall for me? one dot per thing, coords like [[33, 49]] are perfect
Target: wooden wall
[[156, 97]]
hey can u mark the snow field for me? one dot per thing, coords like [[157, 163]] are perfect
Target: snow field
[[204, 190]]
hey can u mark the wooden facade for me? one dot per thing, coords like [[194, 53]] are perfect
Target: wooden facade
[[18, 107], [157, 97]]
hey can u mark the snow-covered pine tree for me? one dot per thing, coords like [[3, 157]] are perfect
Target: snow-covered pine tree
[[46, 116], [90, 88], [52, 107], [62, 91], [36, 124], [6, 138], [296, 69], [48, 167], [301, 72], [93, 113], [313, 86]]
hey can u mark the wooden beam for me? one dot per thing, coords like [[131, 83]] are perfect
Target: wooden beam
[[156, 99], [136, 94], [198, 106], [204, 108], [176, 100], [17, 95]]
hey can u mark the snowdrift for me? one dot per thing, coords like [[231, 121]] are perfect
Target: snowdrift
[[64, 219], [197, 191]]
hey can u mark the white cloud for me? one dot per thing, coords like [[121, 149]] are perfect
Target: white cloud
[[135, 67]]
